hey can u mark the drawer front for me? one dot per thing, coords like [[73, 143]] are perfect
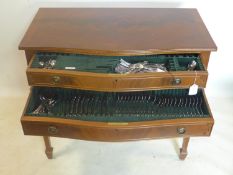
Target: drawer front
[[58, 129], [160, 82], [67, 80], [110, 82]]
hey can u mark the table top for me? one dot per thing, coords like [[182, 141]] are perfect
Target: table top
[[117, 30]]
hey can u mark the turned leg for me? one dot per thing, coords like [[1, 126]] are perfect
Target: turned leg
[[183, 149], [48, 148]]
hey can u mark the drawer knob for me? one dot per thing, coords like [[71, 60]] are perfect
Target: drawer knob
[[52, 130], [181, 130], [176, 81], [56, 79]]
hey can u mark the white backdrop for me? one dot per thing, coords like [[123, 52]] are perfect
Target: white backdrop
[[15, 16]]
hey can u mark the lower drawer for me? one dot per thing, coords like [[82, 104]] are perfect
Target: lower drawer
[[117, 116], [115, 132]]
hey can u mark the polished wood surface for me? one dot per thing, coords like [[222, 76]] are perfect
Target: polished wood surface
[[117, 31], [115, 82], [48, 147], [29, 54], [115, 132], [183, 149], [205, 56]]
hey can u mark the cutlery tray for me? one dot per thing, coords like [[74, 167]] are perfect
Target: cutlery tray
[[107, 64], [120, 107]]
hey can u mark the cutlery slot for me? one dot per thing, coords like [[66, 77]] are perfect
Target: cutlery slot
[[117, 107], [107, 64]]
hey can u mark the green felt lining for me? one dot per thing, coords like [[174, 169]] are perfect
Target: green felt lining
[[120, 107], [107, 64]]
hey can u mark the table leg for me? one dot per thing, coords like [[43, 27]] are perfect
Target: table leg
[[183, 149], [48, 147]]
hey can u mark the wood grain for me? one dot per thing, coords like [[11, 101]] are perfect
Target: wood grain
[[117, 31], [115, 82], [39, 127]]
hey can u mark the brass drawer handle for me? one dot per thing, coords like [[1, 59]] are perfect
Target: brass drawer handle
[[176, 81], [56, 79], [52, 130], [181, 130]]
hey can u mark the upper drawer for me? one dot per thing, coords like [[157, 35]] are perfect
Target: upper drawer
[[98, 72]]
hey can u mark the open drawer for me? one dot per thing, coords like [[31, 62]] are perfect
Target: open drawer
[[114, 116], [90, 72]]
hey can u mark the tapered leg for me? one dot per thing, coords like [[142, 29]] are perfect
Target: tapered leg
[[48, 147], [183, 149]]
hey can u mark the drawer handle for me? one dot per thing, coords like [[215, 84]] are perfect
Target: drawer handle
[[176, 81], [56, 79], [52, 130], [181, 130]]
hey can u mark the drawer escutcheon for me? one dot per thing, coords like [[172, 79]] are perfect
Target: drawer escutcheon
[[52, 130], [176, 81], [181, 130], [56, 79]]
